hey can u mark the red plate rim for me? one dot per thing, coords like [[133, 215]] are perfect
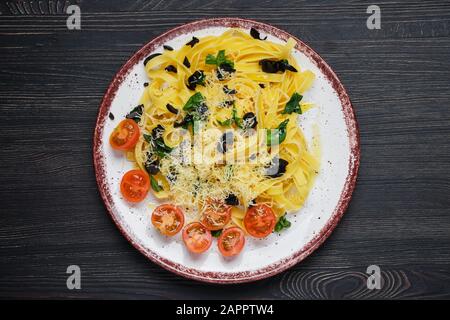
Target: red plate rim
[[281, 265]]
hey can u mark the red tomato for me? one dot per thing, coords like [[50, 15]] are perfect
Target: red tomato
[[196, 237], [168, 219], [216, 214], [259, 221], [125, 135], [231, 241], [135, 185]]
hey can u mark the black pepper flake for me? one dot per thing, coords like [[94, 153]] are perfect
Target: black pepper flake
[[171, 68], [171, 108], [256, 35], [186, 62], [168, 48], [145, 84], [193, 42], [111, 116], [150, 57]]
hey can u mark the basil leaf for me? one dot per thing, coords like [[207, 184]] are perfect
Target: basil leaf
[[225, 123], [277, 136], [195, 100], [216, 233], [293, 105], [155, 184], [210, 59], [197, 78], [282, 223], [236, 119], [219, 59]]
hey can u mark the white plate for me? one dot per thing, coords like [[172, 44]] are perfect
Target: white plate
[[339, 138]]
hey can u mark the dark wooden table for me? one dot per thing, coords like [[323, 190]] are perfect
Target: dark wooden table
[[52, 81]]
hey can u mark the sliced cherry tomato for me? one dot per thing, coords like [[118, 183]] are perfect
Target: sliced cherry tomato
[[196, 237], [231, 241], [125, 135], [168, 219], [135, 185], [259, 221], [216, 214]]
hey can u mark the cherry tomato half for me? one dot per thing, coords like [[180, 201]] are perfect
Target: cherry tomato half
[[135, 185], [168, 219], [196, 237], [125, 135], [259, 221], [216, 214], [231, 241]]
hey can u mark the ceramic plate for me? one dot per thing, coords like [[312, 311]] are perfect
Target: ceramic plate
[[311, 225]]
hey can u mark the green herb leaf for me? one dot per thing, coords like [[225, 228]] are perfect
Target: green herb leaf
[[282, 223], [293, 105], [236, 119], [225, 123], [216, 233], [136, 113], [194, 101], [277, 136], [155, 184], [219, 59]]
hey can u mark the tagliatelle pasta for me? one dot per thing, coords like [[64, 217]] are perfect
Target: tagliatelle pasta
[[219, 117]]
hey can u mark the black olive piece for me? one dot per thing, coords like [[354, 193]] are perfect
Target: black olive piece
[[224, 67], [202, 109], [252, 203], [152, 166], [171, 108], [269, 66], [185, 122], [166, 47], [198, 77], [250, 120], [225, 142], [255, 34], [111, 116], [232, 200], [262, 86], [186, 62], [227, 103], [227, 90], [150, 57], [171, 68], [157, 131], [193, 42], [277, 168]]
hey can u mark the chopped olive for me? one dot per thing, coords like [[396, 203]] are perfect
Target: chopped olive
[[227, 103], [224, 68], [276, 168], [171, 68], [197, 78], [252, 203], [157, 131], [150, 57], [193, 42], [168, 48], [186, 62], [171, 108], [227, 90], [136, 113], [274, 66], [188, 119], [262, 86], [111, 116], [232, 200], [152, 165], [249, 120], [255, 34], [226, 141]]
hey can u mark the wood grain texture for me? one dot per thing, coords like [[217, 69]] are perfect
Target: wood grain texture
[[52, 81]]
